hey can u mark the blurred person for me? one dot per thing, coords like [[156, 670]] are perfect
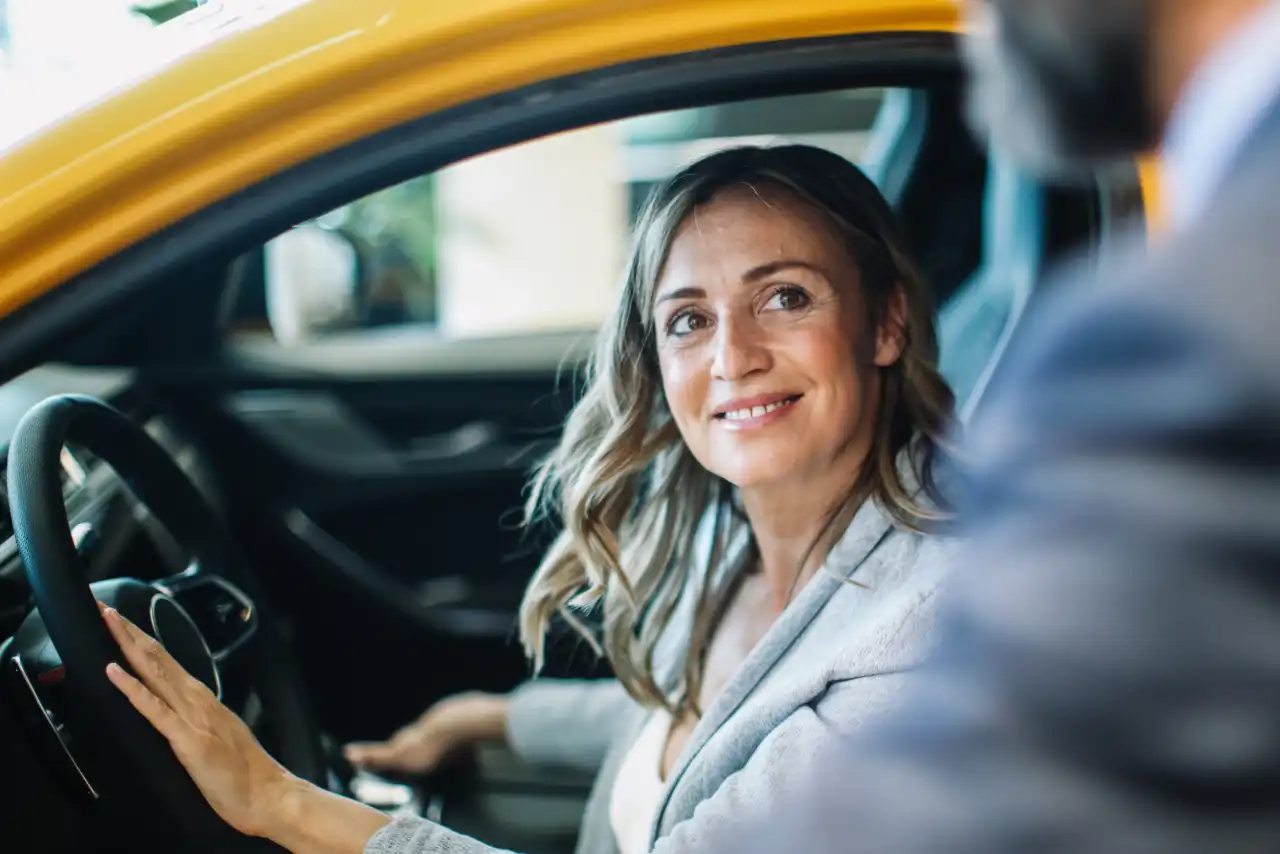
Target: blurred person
[[1107, 672], [744, 487]]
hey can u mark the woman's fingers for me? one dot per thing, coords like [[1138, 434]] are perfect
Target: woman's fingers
[[160, 673], [417, 755], [151, 707], [373, 755]]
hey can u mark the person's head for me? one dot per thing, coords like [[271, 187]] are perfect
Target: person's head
[[1070, 85], [771, 333]]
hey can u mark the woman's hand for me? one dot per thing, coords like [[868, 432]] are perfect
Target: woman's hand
[[235, 774], [453, 724]]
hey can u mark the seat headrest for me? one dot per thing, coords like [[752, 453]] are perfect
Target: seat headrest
[[1013, 215], [976, 324], [895, 140]]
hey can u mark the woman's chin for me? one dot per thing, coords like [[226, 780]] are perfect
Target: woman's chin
[[762, 474]]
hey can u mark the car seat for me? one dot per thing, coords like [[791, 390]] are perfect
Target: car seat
[[976, 323], [894, 141]]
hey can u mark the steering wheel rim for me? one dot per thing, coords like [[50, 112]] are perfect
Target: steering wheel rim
[[70, 616]]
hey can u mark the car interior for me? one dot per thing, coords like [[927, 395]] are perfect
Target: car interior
[[368, 467]]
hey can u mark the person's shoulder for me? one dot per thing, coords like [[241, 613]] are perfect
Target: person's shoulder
[[1147, 325], [1215, 279]]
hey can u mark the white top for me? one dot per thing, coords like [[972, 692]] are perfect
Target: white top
[[638, 791], [1220, 108]]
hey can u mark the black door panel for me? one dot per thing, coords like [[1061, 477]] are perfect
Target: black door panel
[[385, 517], [320, 432]]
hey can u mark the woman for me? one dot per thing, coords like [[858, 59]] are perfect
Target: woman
[[743, 490]]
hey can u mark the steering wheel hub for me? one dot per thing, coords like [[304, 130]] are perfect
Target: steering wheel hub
[[173, 627]]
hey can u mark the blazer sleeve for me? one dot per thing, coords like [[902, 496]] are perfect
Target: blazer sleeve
[[1107, 676], [568, 723], [776, 766]]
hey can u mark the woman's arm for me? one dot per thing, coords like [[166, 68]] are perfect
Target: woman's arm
[[448, 726], [310, 820], [567, 723]]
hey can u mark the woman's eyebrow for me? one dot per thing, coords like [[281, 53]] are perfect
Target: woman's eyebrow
[[765, 270], [682, 293], [752, 275]]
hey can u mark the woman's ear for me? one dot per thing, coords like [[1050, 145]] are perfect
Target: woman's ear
[[891, 333]]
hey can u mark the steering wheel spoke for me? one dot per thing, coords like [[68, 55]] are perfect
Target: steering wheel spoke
[[225, 615]]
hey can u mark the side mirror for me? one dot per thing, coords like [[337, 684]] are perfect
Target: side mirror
[[314, 283]]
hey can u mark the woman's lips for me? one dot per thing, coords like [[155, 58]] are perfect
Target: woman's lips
[[756, 412]]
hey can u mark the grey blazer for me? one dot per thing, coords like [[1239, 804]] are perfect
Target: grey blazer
[[833, 659]]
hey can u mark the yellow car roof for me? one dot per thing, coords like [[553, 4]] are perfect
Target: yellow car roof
[[239, 90]]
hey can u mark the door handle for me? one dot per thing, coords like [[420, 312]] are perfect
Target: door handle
[[451, 444]]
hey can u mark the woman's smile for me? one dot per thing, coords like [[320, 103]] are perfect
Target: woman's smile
[[750, 413]]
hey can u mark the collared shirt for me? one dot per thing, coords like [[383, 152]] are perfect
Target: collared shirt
[[1225, 102]]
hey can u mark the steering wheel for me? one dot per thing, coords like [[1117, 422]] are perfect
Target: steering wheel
[[211, 618]]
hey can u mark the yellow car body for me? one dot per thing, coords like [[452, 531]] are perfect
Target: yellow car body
[[239, 90]]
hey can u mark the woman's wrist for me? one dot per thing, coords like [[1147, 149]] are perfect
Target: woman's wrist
[[305, 819], [281, 808]]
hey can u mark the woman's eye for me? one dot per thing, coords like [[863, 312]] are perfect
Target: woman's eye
[[788, 299], [685, 322]]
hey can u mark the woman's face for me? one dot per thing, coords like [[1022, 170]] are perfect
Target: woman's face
[[764, 343]]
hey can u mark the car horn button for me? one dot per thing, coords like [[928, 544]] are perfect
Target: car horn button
[[174, 628]]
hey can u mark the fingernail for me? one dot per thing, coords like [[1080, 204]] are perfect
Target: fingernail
[[113, 669]]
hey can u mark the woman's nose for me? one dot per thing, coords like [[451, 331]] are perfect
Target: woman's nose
[[740, 350]]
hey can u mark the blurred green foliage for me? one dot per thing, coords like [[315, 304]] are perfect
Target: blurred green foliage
[[398, 225], [161, 11]]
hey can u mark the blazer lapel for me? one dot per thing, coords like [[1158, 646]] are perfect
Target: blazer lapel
[[868, 528]]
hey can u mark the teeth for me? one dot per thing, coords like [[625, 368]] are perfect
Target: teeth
[[755, 411]]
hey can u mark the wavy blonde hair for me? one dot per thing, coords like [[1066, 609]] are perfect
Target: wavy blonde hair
[[629, 493]]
